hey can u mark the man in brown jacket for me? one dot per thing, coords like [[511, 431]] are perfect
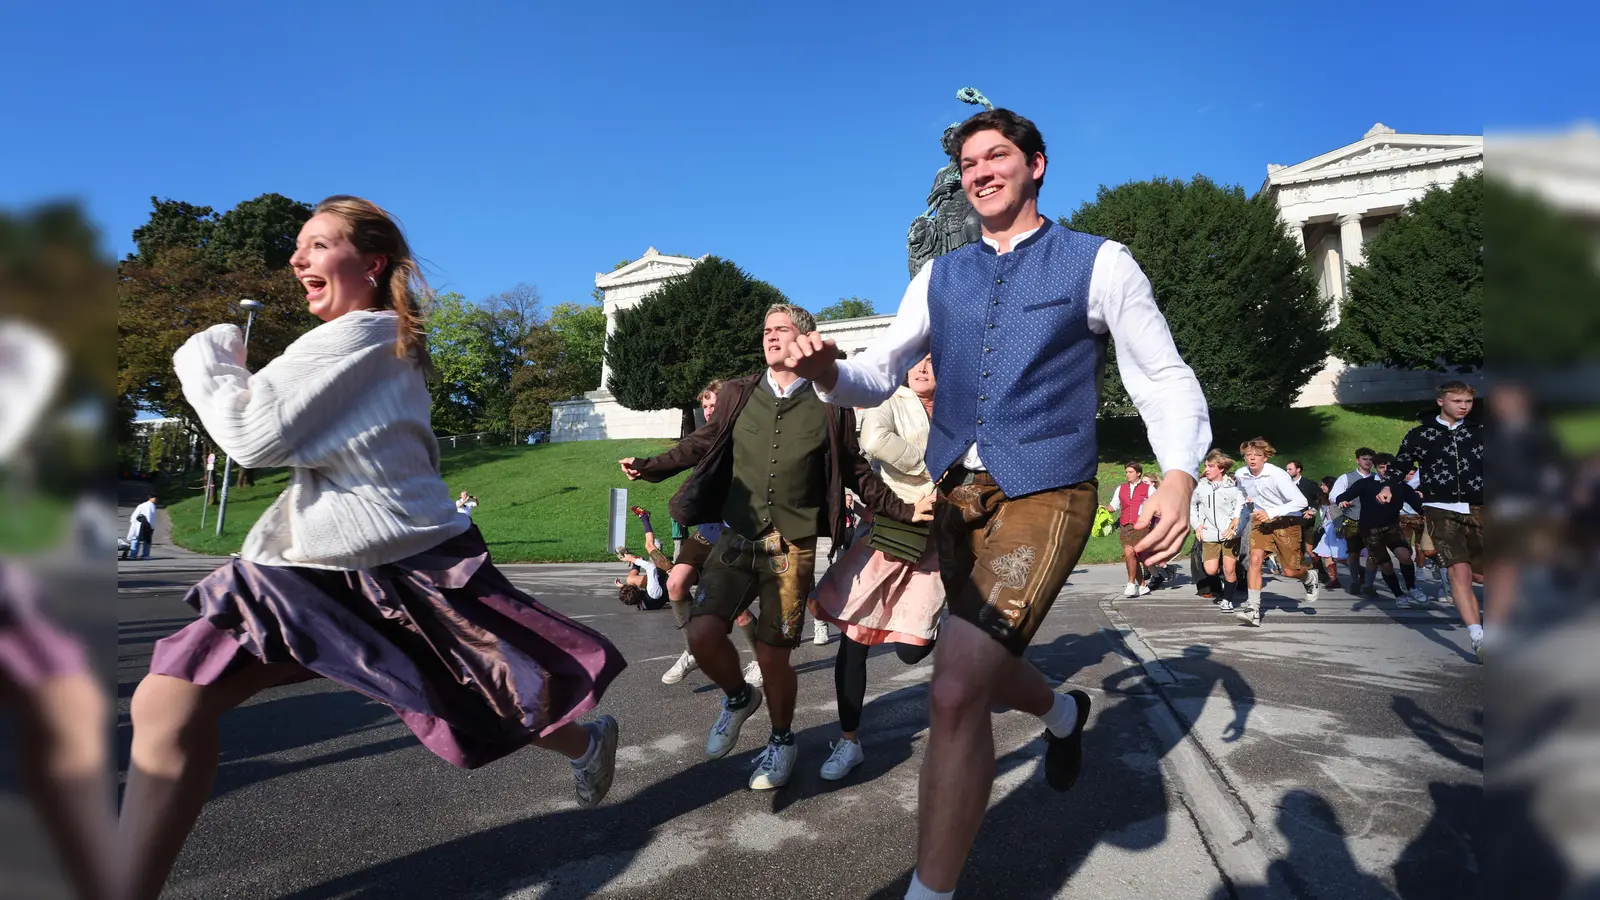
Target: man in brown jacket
[[774, 466]]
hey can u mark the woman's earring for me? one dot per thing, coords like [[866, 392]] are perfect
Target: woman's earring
[[372, 281]]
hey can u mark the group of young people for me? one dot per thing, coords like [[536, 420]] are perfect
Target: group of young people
[[1426, 500], [366, 573]]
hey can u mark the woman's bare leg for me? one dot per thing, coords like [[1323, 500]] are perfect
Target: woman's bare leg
[[172, 765]]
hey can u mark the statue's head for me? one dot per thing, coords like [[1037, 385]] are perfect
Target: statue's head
[[951, 149]]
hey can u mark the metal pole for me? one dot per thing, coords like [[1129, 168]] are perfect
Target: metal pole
[[227, 461]]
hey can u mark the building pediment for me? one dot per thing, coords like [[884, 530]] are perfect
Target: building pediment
[[652, 266], [1381, 150]]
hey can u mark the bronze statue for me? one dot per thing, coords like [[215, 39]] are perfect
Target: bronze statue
[[949, 222]]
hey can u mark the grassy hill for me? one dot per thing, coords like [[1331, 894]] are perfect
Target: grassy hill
[[547, 503]]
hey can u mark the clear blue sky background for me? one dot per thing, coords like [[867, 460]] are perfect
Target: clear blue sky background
[[539, 142]]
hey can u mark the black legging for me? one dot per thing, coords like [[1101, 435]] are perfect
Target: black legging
[[850, 676]]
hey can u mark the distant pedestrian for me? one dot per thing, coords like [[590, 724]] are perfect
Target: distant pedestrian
[[142, 529]]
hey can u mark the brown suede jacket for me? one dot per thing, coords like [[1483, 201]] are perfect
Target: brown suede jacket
[[709, 450]]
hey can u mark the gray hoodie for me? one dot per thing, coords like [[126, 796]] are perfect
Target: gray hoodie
[[1214, 507]]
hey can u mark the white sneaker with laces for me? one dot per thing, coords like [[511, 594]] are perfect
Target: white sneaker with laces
[[1132, 590], [1144, 589], [819, 632], [593, 781], [1249, 615], [682, 667], [752, 674], [1225, 606], [846, 756], [1313, 591], [725, 733], [773, 766]]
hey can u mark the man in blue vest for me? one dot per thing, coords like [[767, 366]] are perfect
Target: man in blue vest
[[1017, 326]]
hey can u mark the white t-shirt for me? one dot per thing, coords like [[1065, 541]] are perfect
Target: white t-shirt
[[652, 581], [466, 506]]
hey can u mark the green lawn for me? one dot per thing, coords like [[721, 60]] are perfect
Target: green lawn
[[547, 503], [33, 521]]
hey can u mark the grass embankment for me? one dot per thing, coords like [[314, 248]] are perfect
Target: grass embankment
[[547, 503]]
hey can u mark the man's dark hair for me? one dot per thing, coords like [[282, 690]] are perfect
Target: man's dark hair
[[1017, 130], [1297, 464], [1134, 466], [153, 498], [1363, 451], [1383, 459], [632, 595]]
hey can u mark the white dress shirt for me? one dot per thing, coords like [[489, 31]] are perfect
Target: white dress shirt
[[1121, 302], [1273, 490], [799, 385]]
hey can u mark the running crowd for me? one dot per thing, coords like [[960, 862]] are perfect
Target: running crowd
[[368, 574]]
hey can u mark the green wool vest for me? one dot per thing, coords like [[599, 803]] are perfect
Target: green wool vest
[[780, 473]]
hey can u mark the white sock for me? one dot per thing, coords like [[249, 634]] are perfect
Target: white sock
[[1062, 719], [588, 756], [1475, 632], [1255, 598], [920, 891]]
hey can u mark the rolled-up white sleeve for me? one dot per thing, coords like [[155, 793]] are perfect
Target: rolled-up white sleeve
[[1294, 502], [1160, 384], [871, 377]]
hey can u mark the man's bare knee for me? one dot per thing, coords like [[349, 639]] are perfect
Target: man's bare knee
[[680, 583], [705, 632]]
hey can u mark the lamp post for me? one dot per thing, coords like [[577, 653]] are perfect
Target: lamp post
[[250, 307]]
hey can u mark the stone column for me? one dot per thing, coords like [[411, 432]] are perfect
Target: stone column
[[1349, 246], [1297, 230], [611, 325]]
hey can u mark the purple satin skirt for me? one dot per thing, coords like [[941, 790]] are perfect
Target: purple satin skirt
[[474, 667], [32, 649]]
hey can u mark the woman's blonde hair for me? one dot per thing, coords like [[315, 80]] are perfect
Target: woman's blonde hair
[[401, 287]]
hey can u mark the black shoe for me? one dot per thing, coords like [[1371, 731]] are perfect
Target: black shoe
[[1063, 757]]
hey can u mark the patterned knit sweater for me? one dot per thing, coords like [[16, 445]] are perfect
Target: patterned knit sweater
[[351, 419]]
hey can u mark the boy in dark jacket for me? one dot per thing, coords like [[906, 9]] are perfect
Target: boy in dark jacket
[[1447, 450], [1378, 528]]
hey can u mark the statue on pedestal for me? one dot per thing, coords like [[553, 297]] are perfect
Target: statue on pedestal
[[949, 222]]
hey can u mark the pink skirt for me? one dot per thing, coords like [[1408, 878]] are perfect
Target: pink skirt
[[474, 667], [875, 598], [32, 649]]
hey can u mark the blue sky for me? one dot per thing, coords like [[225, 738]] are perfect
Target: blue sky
[[539, 143]]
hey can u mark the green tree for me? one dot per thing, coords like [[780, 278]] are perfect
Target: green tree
[[551, 372], [582, 328], [1233, 285], [466, 369], [698, 326], [1542, 283], [1417, 301], [846, 308]]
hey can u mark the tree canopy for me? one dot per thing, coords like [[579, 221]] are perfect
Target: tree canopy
[[1233, 285], [1417, 300], [846, 308]]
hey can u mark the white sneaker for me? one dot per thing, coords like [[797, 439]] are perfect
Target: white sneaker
[[725, 733], [773, 766], [819, 632], [1132, 590], [752, 674], [1249, 615], [1313, 591], [1477, 650], [594, 780], [846, 756], [1225, 606], [1144, 589], [682, 667]]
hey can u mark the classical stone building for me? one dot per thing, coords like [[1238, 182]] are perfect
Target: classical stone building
[[1332, 204], [598, 415]]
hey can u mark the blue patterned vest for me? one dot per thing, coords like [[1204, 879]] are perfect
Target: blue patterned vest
[[1018, 369]]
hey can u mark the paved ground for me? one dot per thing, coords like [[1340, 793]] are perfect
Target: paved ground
[[1351, 769]]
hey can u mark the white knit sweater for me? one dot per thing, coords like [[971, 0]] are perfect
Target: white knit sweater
[[351, 418]]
